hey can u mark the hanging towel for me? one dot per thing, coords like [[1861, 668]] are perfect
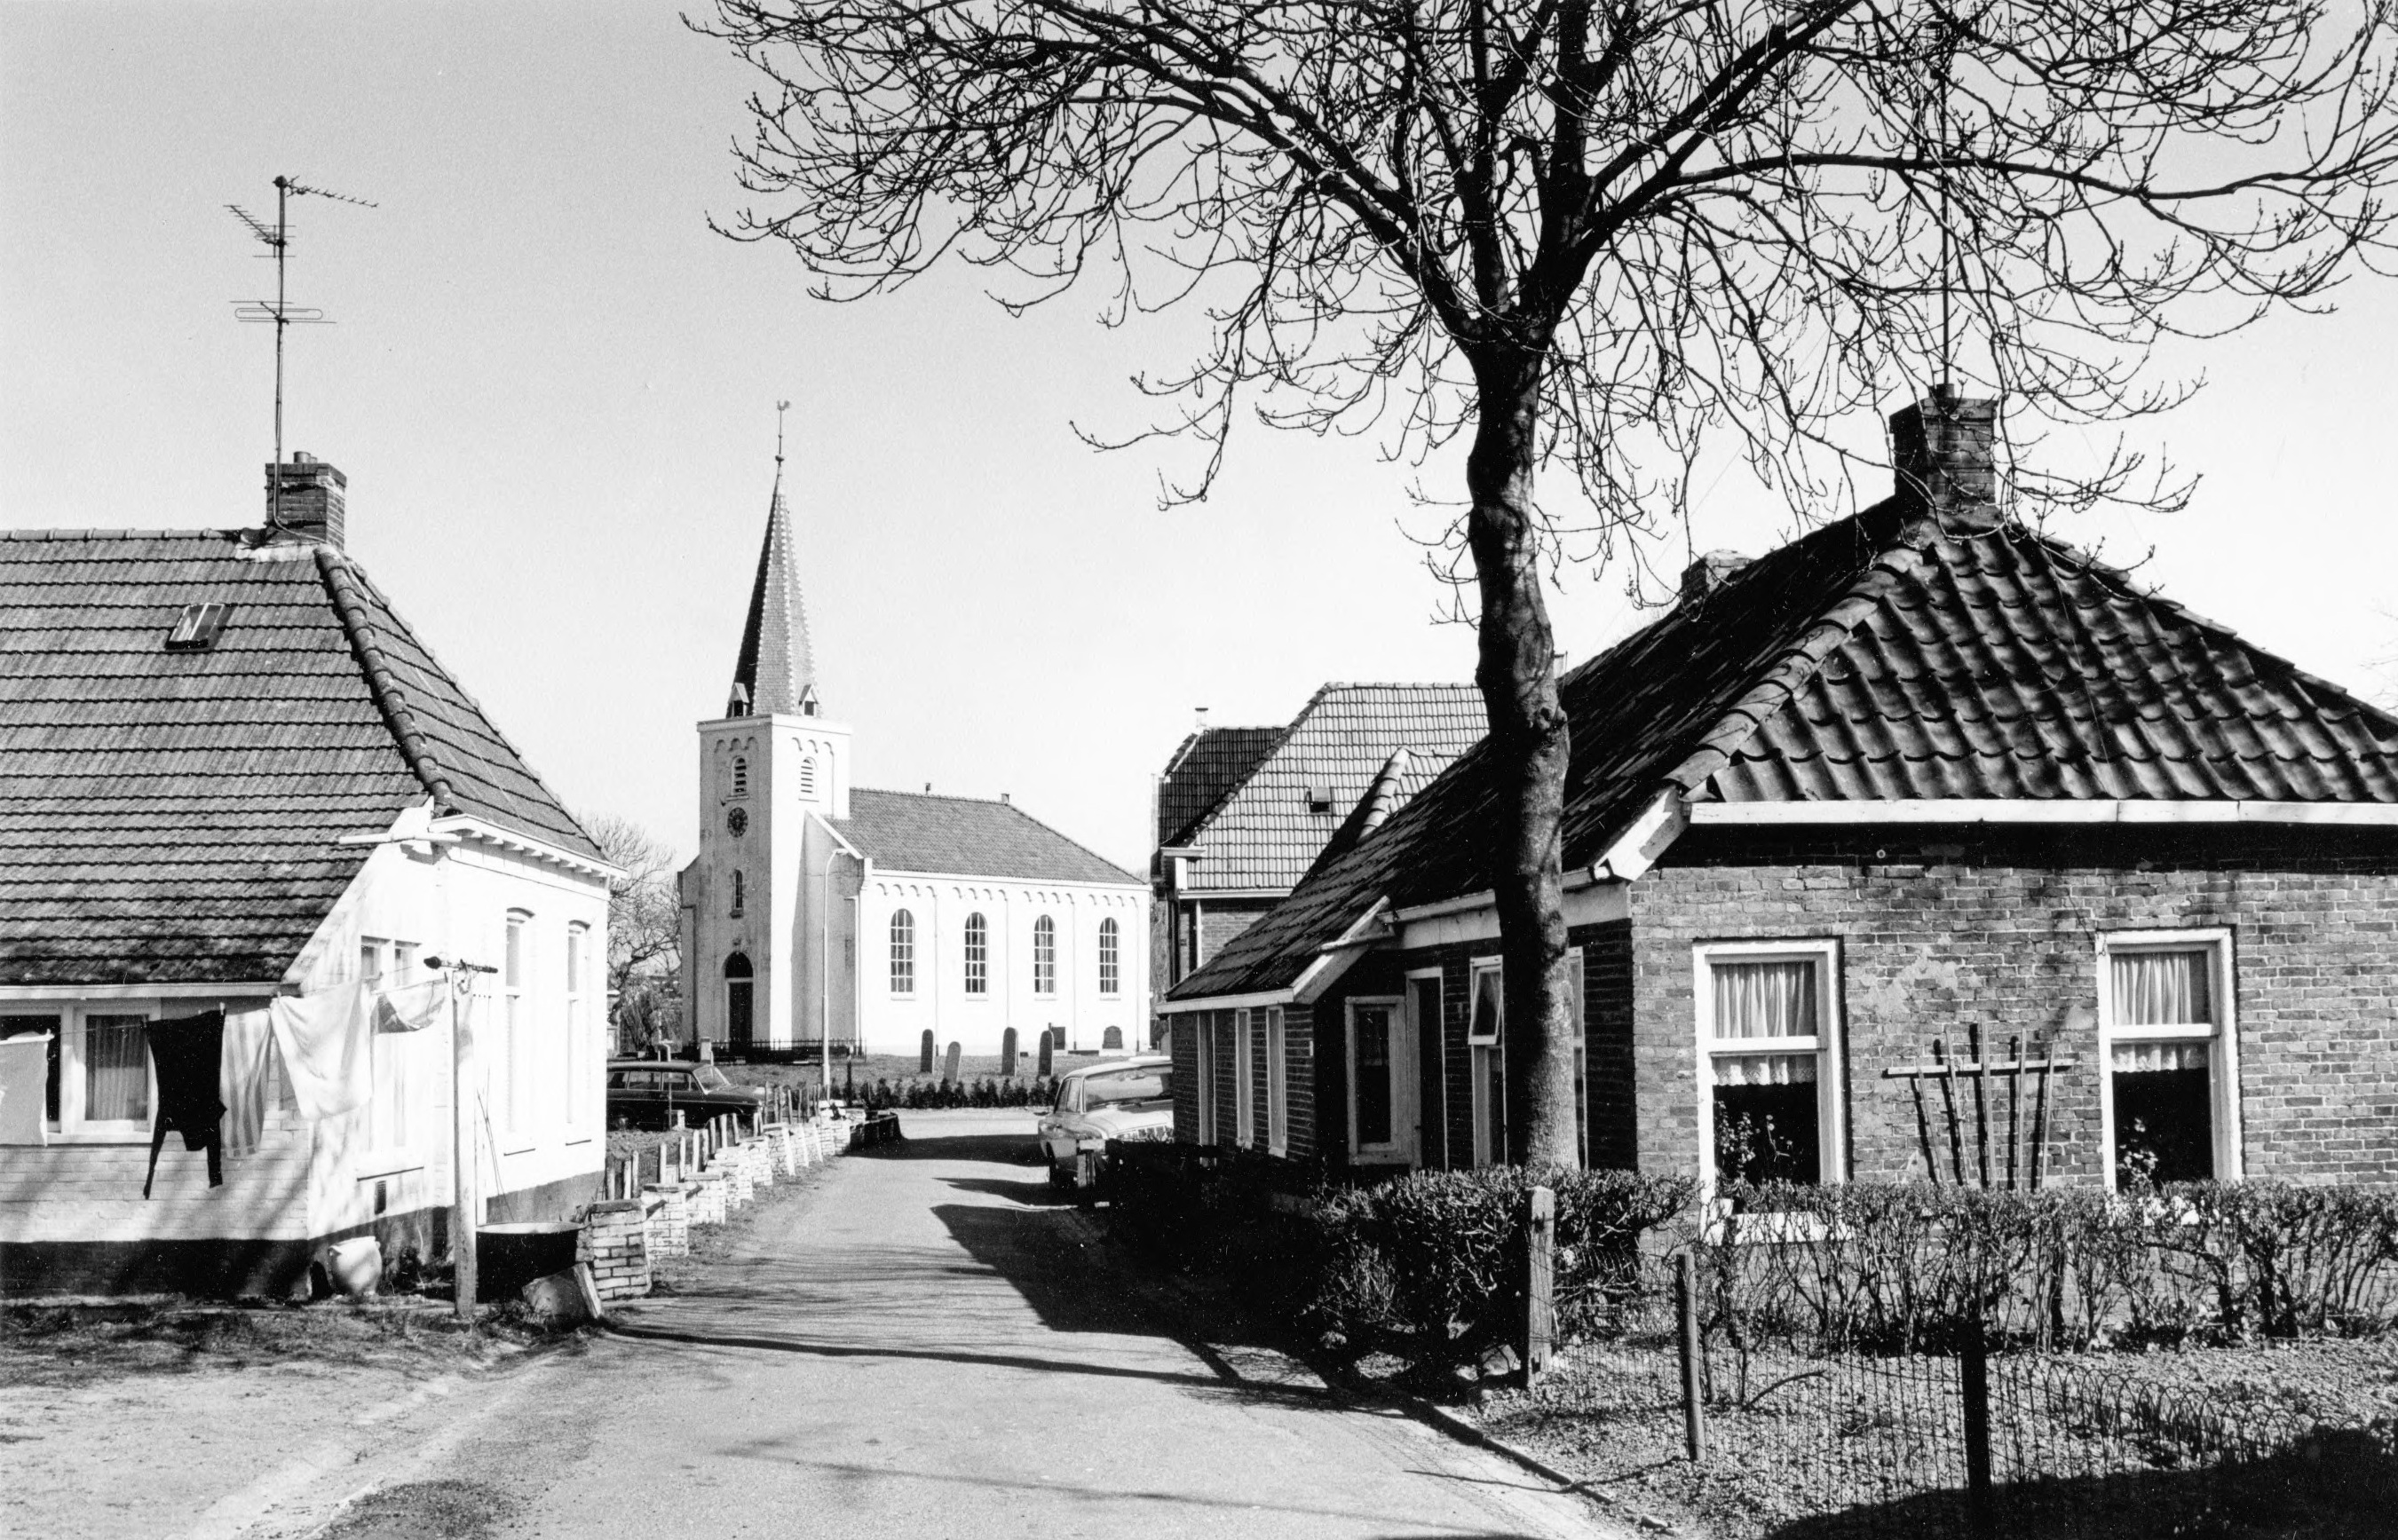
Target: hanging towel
[[246, 1079], [323, 1040], [411, 1007], [187, 1053], [24, 1075]]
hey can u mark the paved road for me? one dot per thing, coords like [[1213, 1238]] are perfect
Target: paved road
[[929, 1347]]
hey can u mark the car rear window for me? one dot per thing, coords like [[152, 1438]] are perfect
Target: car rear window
[[1128, 1085]]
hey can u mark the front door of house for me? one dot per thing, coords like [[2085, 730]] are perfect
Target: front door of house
[[1381, 1083]]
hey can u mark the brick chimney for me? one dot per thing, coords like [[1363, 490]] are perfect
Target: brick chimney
[[311, 500], [1708, 573], [1944, 452]]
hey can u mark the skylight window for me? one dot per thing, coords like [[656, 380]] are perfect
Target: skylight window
[[196, 629]]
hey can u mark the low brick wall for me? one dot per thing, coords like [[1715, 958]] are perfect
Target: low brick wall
[[614, 1245], [736, 1178], [667, 1219]]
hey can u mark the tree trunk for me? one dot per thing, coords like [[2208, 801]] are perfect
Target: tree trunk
[[1516, 671]]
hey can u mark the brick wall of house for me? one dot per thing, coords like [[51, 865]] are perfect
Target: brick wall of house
[[1941, 927]]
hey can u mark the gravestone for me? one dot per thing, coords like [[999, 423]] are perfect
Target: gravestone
[[1007, 1054], [950, 1066], [1112, 1039], [1047, 1047], [925, 1054]]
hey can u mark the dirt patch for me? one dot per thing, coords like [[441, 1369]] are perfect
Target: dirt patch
[[74, 1344], [423, 1510]]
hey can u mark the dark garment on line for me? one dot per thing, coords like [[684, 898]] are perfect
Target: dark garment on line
[[185, 1052]]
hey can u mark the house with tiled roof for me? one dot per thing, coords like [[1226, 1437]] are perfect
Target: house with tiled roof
[[242, 805], [824, 916], [1925, 776], [1242, 813]]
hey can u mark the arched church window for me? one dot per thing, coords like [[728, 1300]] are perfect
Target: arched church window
[[1044, 955], [977, 955], [739, 893], [807, 777], [740, 775], [1110, 972], [903, 952]]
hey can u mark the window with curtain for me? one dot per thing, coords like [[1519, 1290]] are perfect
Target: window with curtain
[[115, 1069], [1581, 1054], [1487, 1061], [1764, 1051], [1109, 973], [977, 955], [2167, 1071], [903, 952], [1044, 955]]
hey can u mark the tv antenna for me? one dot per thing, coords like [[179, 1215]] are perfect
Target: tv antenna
[[279, 310]]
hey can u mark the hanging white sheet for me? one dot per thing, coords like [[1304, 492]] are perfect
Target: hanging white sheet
[[24, 1078], [411, 1007], [245, 1079], [323, 1039]]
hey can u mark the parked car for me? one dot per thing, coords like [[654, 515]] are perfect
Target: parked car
[[1115, 1100], [646, 1093]]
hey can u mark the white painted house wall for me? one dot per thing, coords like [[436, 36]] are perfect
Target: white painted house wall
[[318, 1178]]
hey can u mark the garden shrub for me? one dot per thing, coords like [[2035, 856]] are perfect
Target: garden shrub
[[1887, 1267], [1433, 1262]]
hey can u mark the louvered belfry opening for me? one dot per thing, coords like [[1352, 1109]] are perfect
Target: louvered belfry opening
[[307, 498], [1944, 450]]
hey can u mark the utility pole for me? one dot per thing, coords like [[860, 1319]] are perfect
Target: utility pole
[[467, 1197]]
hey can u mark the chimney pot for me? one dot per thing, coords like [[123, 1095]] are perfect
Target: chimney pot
[[1708, 573], [1944, 452], [308, 498]]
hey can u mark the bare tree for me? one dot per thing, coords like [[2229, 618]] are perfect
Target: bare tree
[[644, 921], [1614, 237]]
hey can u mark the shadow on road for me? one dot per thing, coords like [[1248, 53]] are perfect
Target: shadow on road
[[1000, 1149]]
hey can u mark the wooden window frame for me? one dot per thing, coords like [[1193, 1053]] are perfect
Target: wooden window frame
[[1111, 958], [977, 954], [2222, 1037], [1489, 1133], [1401, 1150], [1831, 1094], [900, 933], [1244, 1074], [1277, 1083], [1434, 1119]]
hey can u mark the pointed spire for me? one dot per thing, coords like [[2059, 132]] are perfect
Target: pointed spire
[[777, 675]]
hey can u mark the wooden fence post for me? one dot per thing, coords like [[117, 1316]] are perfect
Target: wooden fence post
[[1540, 1284], [1686, 1296], [1974, 1381]]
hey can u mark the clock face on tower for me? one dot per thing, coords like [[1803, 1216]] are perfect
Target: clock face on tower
[[737, 822]]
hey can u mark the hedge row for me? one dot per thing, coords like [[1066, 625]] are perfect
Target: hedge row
[[925, 1094], [1887, 1267], [1427, 1266]]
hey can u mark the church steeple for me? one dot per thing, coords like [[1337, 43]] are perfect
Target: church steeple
[[777, 675]]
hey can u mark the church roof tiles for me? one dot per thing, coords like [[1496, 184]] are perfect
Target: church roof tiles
[[964, 837]]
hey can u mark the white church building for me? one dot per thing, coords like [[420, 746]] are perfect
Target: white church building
[[819, 910]]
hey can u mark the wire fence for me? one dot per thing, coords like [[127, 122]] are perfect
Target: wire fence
[[2023, 1445]]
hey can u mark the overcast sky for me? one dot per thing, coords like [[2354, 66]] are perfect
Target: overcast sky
[[553, 391]]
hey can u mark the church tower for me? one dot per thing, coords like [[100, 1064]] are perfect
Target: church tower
[[771, 770]]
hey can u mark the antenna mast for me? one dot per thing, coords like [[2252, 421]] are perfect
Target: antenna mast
[[279, 310]]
